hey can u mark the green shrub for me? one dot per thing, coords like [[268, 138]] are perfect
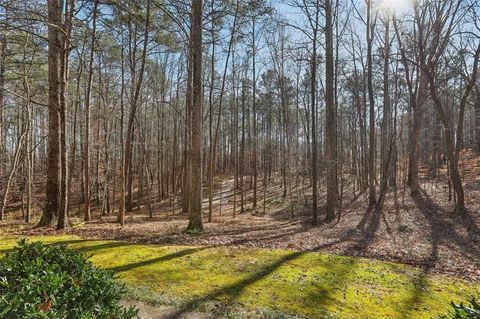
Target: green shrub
[[462, 311], [56, 282]]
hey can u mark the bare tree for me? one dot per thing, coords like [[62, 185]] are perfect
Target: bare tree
[[435, 24]]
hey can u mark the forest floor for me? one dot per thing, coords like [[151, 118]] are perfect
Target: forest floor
[[213, 282], [419, 230]]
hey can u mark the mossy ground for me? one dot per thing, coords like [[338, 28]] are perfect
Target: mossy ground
[[306, 284]]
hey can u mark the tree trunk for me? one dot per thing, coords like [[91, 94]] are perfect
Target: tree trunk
[[127, 161], [254, 115], [195, 217], [450, 146], [477, 119], [387, 139], [313, 110], [418, 113], [371, 150], [88, 94], [3, 53], [51, 208], [187, 140], [330, 120], [65, 38], [210, 119]]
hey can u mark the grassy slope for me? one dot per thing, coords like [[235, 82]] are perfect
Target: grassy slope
[[307, 284]]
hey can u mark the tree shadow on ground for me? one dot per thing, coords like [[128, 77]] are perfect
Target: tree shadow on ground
[[368, 226], [444, 226], [177, 254], [100, 246], [359, 238], [264, 238], [323, 296], [320, 298], [241, 230], [235, 289], [420, 284], [442, 229]]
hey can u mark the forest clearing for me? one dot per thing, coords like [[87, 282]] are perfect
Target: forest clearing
[[210, 159]]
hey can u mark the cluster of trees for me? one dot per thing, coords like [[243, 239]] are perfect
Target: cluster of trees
[[128, 103]]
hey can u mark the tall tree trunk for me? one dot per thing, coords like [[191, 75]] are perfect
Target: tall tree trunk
[[64, 69], [313, 111], [210, 118], [214, 141], [51, 208], [417, 99], [371, 151], [127, 161], [386, 121], [121, 206], [450, 146], [3, 54], [242, 151], [88, 96], [73, 146], [29, 152], [477, 119], [195, 217], [417, 103], [254, 114], [330, 120], [188, 134]]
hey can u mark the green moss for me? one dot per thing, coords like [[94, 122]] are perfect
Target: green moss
[[312, 285]]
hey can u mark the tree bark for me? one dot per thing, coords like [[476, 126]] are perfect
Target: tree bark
[[51, 208], [313, 110], [387, 135], [127, 161], [330, 118], [88, 94], [195, 217], [371, 150], [64, 68], [477, 119], [254, 114]]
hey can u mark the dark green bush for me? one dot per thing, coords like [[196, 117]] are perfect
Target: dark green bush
[[462, 311], [56, 282]]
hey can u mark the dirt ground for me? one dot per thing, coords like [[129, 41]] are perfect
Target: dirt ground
[[147, 311]]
